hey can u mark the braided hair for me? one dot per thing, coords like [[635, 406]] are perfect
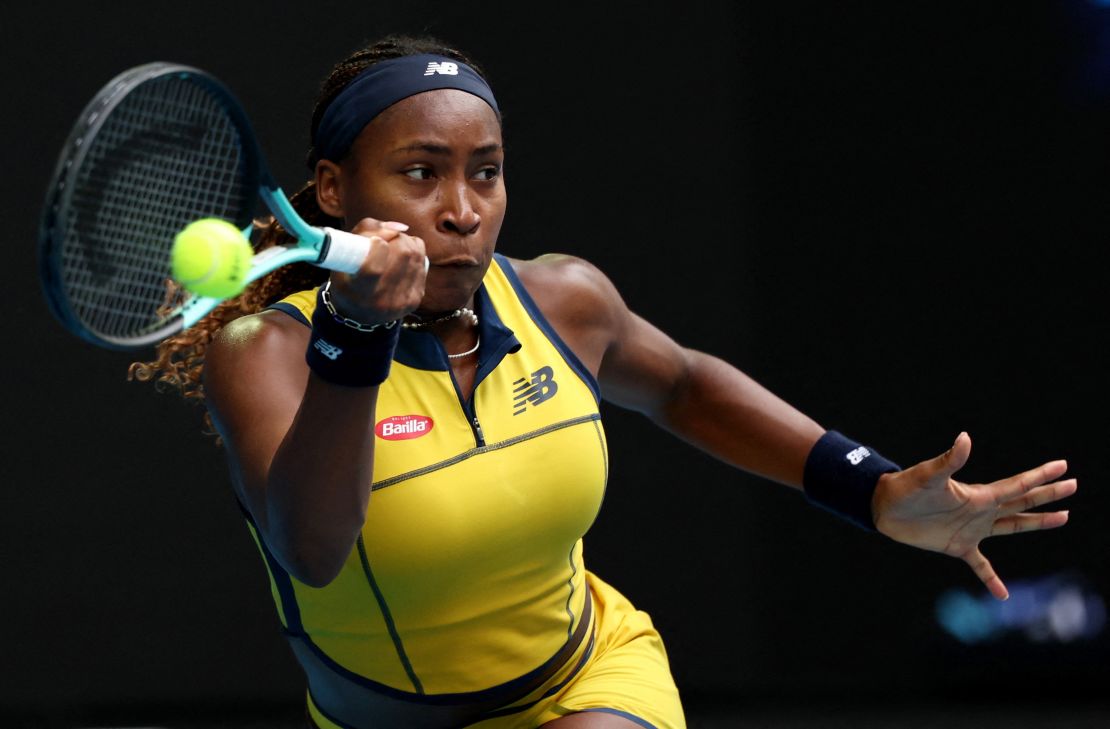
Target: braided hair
[[179, 360]]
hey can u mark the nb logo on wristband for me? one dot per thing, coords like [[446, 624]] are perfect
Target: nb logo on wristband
[[330, 351], [856, 456]]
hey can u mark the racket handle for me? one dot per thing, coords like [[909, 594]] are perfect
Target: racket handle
[[345, 251]]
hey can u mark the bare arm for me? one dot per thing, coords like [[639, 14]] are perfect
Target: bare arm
[[699, 398], [708, 403], [719, 409], [301, 449]]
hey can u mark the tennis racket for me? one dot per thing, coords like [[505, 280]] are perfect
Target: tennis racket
[[161, 145]]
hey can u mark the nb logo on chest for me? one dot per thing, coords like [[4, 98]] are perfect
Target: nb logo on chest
[[532, 392]]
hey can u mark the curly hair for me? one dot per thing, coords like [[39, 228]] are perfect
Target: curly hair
[[179, 360]]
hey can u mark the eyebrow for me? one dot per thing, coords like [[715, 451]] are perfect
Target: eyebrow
[[444, 150]]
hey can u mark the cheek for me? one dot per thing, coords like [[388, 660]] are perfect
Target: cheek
[[383, 203], [495, 206], [367, 191]]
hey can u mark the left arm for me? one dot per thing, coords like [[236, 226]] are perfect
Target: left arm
[[716, 407], [707, 403], [697, 397]]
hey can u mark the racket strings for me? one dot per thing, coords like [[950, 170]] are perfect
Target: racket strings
[[168, 154]]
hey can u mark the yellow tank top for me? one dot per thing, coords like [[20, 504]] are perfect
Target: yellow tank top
[[468, 573]]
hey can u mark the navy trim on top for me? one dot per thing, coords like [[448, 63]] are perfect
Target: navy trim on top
[[423, 351], [387, 616], [291, 311], [631, 717], [545, 326], [282, 580]]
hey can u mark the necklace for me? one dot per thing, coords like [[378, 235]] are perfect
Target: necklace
[[468, 313], [467, 353]]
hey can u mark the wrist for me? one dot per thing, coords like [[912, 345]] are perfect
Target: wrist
[[879, 499], [345, 352], [842, 476]]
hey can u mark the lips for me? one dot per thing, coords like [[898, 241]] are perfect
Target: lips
[[456, 262]]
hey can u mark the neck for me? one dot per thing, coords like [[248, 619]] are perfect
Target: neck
[[436, 321], [456, 330]]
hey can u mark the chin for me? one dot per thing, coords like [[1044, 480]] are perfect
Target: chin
[[449, 289], [445, 295]]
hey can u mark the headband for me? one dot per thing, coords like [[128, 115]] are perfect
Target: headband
[[384, 84]]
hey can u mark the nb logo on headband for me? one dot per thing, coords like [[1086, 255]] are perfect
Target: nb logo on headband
[[444, 69]]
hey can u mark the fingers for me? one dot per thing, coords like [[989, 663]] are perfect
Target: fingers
[[372, 227], [390, 282], [1010, 488], [396, 273], [958, 454], [1039, 496], [943, 466], [1029, 522], [981, 566]]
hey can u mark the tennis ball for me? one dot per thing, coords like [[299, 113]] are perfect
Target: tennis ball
[[210, 257]]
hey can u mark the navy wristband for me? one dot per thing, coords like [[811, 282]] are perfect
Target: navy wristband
[[347, 356], [840, 476]]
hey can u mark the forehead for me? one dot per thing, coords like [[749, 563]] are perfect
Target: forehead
[[447, 115]]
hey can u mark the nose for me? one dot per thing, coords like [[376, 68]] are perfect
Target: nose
[[457, 213]]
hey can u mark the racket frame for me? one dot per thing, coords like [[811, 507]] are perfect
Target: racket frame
[[324, 247]]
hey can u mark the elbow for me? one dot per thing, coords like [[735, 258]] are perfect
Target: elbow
[[678, 392], [313, 572], [315, 559]]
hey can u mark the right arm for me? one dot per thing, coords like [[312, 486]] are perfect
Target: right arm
[[301, 449]]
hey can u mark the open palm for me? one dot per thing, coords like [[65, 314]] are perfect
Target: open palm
[[923, 506]]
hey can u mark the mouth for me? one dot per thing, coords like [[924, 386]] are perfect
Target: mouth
[[456, 262]]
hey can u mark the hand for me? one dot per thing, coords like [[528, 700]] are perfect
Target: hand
[[925, 507], [390, 283]]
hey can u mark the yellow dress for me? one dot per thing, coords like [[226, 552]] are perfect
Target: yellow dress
[[465, 599]]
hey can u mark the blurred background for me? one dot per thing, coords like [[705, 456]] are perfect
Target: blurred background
[[892, 215]]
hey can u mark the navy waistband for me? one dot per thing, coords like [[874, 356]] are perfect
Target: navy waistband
[[354, 702]]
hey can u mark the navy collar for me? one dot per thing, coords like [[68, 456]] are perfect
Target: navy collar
[[422, 350]]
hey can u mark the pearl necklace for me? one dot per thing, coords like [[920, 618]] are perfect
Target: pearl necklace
[[447, 317], [460, 312]]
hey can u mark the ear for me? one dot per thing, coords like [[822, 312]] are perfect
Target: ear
[[328, 195]]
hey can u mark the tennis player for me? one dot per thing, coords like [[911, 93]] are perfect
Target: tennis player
[[418, 455]]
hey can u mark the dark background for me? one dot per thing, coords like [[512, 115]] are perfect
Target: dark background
[[891, 214]]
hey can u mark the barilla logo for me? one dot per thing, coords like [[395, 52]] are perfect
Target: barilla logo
[[403, 427]]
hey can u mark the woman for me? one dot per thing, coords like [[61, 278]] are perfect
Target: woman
[[417, 447]]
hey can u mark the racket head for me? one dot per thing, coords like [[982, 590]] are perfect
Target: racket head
[[159, 146]]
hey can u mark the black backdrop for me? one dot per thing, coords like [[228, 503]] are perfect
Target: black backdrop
[[892, 215]]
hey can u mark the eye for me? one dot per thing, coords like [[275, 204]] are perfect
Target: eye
[[419, 173], [491, 172]]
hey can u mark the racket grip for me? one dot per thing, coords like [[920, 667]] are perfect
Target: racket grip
[[345, 251]]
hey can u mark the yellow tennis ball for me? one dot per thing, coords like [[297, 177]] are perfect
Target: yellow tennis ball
[[211, 257]]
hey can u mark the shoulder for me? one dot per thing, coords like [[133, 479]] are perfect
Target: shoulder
[[265, 341], [558, 267], [568, 286], [578, 300]]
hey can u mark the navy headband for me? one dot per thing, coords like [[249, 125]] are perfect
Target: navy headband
[[384, 84]]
